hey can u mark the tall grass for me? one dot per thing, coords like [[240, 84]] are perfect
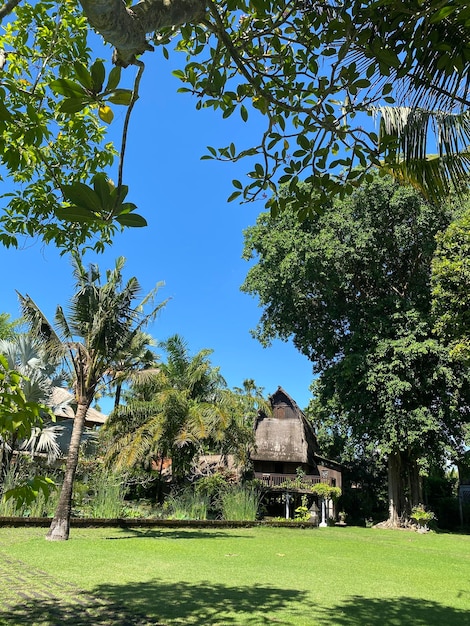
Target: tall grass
[[107, 500], [240, 503], [187, 505], [40, 507]]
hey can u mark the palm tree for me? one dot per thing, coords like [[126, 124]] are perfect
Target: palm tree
[[38, 381], [416, 56], [170, 414], [101, 325], [138, 363]]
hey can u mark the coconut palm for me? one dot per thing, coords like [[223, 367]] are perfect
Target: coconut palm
[[139, 362], [101, 324]]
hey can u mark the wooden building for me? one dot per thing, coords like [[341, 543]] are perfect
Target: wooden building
[[286, 449]]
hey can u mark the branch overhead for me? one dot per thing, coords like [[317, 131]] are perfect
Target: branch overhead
[[126, 28]]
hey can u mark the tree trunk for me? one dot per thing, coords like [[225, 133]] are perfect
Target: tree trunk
[[416, 486], [60, 525], [394, 490], [126, 28]]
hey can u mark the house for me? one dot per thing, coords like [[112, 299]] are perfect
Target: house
[[286, 457], [62, 406]]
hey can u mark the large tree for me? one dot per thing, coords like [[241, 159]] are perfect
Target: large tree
[[352, 289], [313, 71], [102, 322]]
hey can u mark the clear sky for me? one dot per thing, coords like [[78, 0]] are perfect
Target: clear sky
[[193, 242]]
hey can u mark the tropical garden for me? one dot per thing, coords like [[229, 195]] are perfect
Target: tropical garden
[[360, 259]]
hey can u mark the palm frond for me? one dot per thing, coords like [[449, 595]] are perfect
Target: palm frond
[[406, 135], [41, 329]]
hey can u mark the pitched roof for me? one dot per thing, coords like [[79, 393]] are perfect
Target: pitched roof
[[61, 403], [286, 435]]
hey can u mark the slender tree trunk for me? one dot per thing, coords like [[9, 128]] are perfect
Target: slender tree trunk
[[60, 525], [416, 486], [394, 490]]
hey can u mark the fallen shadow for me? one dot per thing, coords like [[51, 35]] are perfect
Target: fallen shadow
[[359, 611], [158, 603]]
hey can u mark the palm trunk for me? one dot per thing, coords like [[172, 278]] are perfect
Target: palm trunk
[[60, 525]]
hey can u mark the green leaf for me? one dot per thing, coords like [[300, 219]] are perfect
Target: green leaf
[[442, 14], [97, 75], [243, 113], [81, 195], [120, 96], [77, 214], [233, 196], [83, 75], [73, 105], [103, 189], [67, 87], [113, 79], [131, 219]]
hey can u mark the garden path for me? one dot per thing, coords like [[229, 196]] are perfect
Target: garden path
[[33, 597]]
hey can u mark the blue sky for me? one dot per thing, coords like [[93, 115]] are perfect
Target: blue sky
[[193, 241]]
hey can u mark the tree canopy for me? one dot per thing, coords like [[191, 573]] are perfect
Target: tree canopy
[[353, 291], [315, 73], [450, 281]]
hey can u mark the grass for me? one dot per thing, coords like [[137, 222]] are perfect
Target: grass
[[241, 577]]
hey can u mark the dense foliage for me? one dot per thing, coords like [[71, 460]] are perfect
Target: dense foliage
[[352, 289], [315, 73]]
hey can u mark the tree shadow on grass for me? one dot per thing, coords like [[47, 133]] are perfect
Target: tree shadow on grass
[[359, 611], [158, 603], [144, 533]]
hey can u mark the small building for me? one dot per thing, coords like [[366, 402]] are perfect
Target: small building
[[286, 452], [62, 405]]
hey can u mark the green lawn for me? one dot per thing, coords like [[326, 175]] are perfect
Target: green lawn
[[239, 577]]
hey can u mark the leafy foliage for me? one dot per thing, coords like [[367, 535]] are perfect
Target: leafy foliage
[[450, 280], [18, 417], [352, 289], [314, 73], [101, 325], [52, 140]]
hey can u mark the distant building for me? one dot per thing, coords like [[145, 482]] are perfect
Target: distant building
[[62, 404], [286, 449]]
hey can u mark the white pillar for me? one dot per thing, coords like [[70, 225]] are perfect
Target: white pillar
[[323, 514], [287, 505]]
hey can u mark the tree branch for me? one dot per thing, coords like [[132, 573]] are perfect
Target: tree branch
[[126, 28], [8, 7]]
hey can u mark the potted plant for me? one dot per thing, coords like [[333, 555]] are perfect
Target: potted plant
[[422, 517]]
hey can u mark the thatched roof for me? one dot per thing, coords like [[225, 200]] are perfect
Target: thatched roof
[[62, 401], [285, 435]]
